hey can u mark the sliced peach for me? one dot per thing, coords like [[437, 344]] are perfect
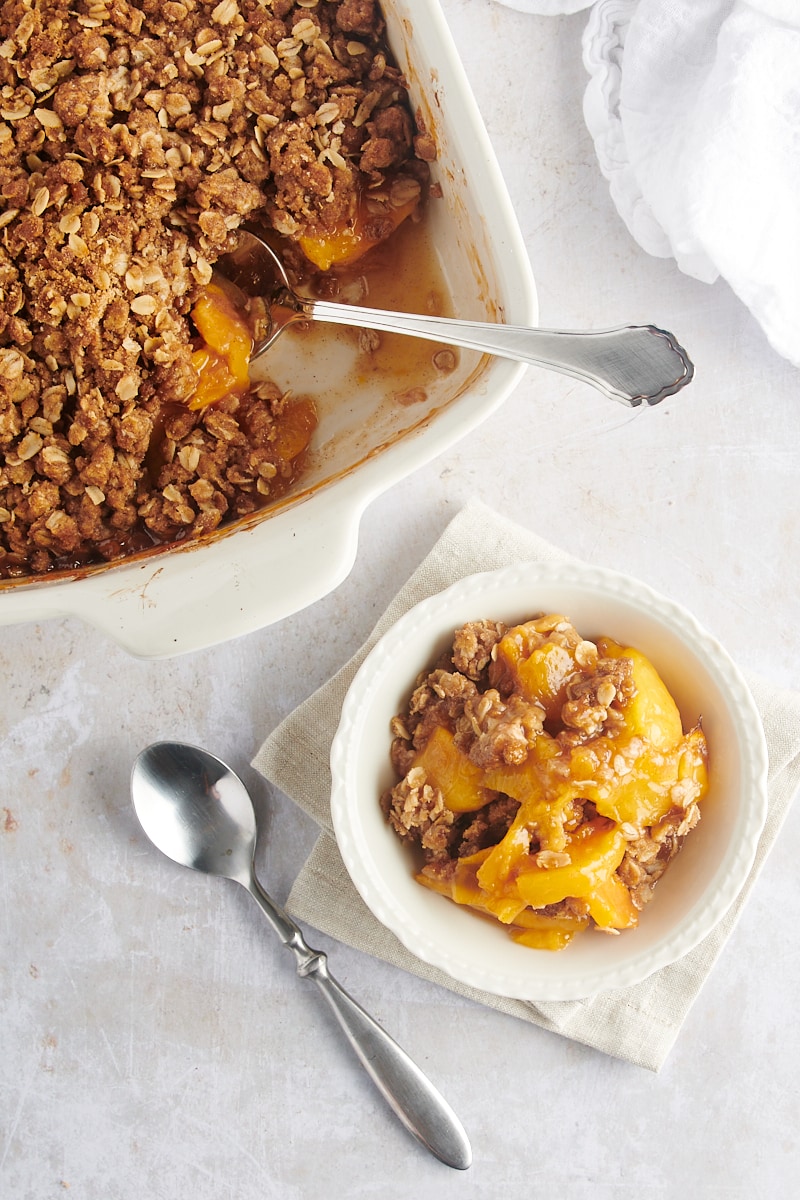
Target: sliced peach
[[453, 772], [463, 888], [350, 242], [223, 359], [542, 932], [593, 857], [610, 905], [538, 670], [643, 792], [651, 713], [295, 426]]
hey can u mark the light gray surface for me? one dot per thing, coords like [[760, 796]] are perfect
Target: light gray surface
[[149, 1022]]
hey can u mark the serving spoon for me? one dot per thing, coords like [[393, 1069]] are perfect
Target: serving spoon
[[198, 812], [634, 364]]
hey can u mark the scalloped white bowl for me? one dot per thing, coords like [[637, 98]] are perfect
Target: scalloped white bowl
[[701, 883]]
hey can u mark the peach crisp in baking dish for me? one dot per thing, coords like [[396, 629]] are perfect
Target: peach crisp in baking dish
[[545, 780], [135, 140]]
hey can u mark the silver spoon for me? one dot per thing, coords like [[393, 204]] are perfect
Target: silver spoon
[[633, 364], [197, 811]]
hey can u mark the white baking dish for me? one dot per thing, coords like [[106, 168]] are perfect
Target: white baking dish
[[252, 575]]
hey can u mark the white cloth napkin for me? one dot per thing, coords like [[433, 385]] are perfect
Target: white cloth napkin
[[694, 109], [638, 1023]]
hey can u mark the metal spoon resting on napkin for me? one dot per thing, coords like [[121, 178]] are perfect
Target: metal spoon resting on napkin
[[634, 364], [198, 812]]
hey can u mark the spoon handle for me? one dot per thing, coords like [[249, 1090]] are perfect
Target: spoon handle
[[412, 1096], [632, 364]]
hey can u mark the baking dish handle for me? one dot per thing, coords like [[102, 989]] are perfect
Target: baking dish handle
[[159, 607]]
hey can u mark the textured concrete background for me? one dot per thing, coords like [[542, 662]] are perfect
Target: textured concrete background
[[154, 1040]]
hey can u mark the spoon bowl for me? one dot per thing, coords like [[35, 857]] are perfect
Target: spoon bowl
[[634, 364], [197, 811]]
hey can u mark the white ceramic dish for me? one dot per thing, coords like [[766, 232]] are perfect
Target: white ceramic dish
[[701, 883], [298, 552]]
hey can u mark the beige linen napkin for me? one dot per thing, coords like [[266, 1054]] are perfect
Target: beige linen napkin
[[638, 1023]]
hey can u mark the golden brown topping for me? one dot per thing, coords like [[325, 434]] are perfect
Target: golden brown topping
[[550, 788], [134, 141]]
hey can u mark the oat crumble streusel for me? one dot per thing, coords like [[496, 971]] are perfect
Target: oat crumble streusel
[[135, 139], [544, 780]]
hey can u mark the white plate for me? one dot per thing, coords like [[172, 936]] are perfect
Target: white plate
[[700, 884]]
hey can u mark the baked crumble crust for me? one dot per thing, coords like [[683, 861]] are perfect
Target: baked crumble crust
[[135, 139]]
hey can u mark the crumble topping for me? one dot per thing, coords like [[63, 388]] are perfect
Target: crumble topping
[[530, 761], [135, 139]]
